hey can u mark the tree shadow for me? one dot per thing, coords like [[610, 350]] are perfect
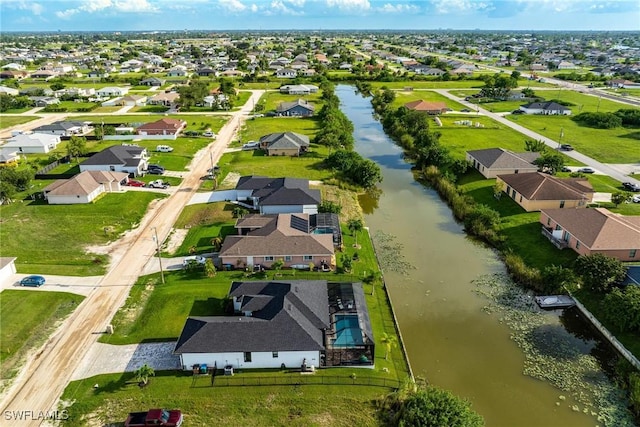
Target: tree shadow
[[632, 135]]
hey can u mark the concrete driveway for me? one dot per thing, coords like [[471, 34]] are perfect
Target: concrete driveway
[[73, 284]]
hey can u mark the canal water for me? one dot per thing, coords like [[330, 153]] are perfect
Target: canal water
[[451, 338]]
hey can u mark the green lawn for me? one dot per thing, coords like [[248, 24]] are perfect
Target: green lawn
[[149, 109], [272, 85], [8, 121], [459, 138], [258, 127], [266, 406], [503, 106], [424, 95], [194, 122], [71, 106], [522, 229], [256, 162], [184, 149], [452, 84], [204, 222], [271, 100], [619, 145], [52, 239], [27, 320]]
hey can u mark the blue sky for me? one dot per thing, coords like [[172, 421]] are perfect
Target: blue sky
[[132, 15]]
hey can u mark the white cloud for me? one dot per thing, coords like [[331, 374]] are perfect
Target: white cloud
[[232, 5], [350, 5], [125, 6], [296, 3], [279, 6], [398, 8], [33, 7], [458, 6], [254, 7]]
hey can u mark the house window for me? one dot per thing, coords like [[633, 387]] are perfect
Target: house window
[[561, 204], [247, 357], [307, 257], [287, 257], [268, 258], [548, 221], [577, 244], [516, 171], [632, 253], [274, 354], [520, 199]]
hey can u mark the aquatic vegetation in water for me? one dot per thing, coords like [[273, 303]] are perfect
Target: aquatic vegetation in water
[[389, 252], [553, 354]]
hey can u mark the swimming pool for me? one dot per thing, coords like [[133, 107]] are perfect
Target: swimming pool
[[322, 231], [348, 333]]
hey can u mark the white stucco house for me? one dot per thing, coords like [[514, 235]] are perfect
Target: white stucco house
[[84, 187], [110, 91], [549, 108], [7, 268], [277, 195], [32, 143], [129, 159]]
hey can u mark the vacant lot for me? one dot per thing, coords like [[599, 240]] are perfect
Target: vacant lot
[[424, 95], [256, 162], [52, 239], [619, 145], [28, 318], [8, 121]]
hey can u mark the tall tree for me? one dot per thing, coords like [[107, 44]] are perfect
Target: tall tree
[[76, 146], [389, 342], [535, 145], [550, 162], [600, 272], [355, 225]]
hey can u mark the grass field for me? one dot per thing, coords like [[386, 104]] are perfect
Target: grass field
[[255, 128], [204, 222], [271, 100], [452, 84], [148, 109], [424, 95], [619, 145], [8, 121], [194, 122], [71, 106], [184, 149], [28, 318], [52, 239]]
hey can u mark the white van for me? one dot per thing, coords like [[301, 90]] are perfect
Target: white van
[[164, 148]]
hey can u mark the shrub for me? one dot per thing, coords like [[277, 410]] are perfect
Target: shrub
[[622, 308], [599, 120], [521, 273]]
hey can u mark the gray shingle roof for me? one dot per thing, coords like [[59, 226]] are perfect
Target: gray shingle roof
[[279, 191], [116, 155], [285, 140], [548, 106], [286, 106], [291, 316], [66, 125], [499, 158]]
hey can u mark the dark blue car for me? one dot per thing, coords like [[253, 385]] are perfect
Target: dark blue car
[[35, 281]]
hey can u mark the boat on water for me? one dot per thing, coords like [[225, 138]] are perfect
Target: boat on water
[[555, 301]]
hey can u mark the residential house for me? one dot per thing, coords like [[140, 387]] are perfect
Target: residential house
[[97, 74], [13, 74], [164, 98], [277, 195], [31, 143], [44, 74], [177, 71], [130, 159], [427, 107], [9, 91], [309, 72], [286, 73], [288, 324], [9, 155], [7, 269], [128, 100], [566, 65], [44, 101], [165, 128], [548, 108], [110, 91], [13, 66], [536, 191], [297, 108], [64, 128], [492, 162], [284, 144], [152, 81], [84, 187], [298, 89], [206, 72], [266, 239], [591, 231]]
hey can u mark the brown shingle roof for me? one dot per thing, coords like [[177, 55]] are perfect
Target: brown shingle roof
[[598, 228], [83, 184], [166, 123], [539, 186]]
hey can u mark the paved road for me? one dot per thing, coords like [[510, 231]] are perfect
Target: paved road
[[603, 168], [45, 376]]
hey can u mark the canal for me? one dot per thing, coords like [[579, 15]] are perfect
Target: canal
[[451, 336]]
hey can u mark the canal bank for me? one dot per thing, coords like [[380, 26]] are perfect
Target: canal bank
[[452, 336]]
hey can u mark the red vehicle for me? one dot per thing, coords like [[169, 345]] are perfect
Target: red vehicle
[[155, 417], [135, 183]]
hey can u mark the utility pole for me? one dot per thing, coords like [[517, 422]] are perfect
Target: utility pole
[[155, 237]]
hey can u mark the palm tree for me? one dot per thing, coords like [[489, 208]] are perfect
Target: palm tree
[[216, 242], [355, 225], [143, 373], [209, 268], [389, 342], [239, 212]]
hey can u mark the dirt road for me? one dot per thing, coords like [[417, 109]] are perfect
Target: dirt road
[[46, 375]]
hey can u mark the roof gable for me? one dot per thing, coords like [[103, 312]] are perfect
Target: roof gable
[[539, 186], [500, 158]]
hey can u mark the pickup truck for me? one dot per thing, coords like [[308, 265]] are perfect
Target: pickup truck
[[154, 417], [158, 183]]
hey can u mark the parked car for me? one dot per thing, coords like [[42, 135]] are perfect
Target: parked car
[[636, 198], [629, 186], [565, 169], [214, 169], [158, 183], [566, 147], [191, 133], [197, 259], [135, 183], [517, 112], [251, 145], [586, 170], [35, 281], [154, 417], [164, 148], [209, 134], [465, 110], [155, 169]]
